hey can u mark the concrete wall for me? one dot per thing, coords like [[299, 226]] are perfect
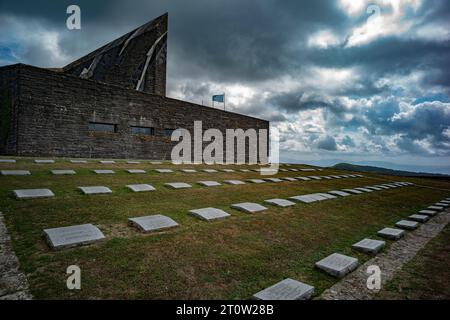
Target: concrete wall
[[9, 90], [55, 111]]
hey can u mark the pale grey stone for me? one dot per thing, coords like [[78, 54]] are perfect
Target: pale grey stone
[[273, 180], [15, 173], [210, 170], [337, 177], [337, 265], [209, 183], [268, 171], [7, 161], [78, 161], [446, 201], [234, 182], [68, 237], [289, 179], [428, 212], [133, 162], [189, 171], [245, 170], [63, 172], [136, 171], [156, 162], [287, 289], [391, 233], [407, 225], [340, 193], [317, 197], [294, 170], [419, 218], [104, 171], [325, 195], [304, 199], [315, 177], [280, 202], [364, 189], [437, 208], [164, 170], [141, 187], [33, 193], [352, 191], [209, 214], [249, 207], [152, 223], [374, 188], [442, 204], [369, 246], [307, 170], [228, 170], [382, 187], [257, 181], [303, 178], [44, 161], [95, 190], [107, 162], [178, 185]]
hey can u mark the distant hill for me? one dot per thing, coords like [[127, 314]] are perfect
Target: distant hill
[[359, 168]]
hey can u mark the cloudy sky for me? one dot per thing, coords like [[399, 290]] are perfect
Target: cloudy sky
[[346, 80]]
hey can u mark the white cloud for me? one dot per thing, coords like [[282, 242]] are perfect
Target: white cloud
[[323, 39]]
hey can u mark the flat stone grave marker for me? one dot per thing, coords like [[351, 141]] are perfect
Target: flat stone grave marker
[[325, 195], [446, 201], [369, 246], [189, 171], [337, 177], [209, 214], [95, 190], [352, 191], [307, 170], [382, 187], [442, 204], [419, 218], [391, 233], [44, 161], [436, 208], [364, 189], [156, 162], [245, 170], [210, 170], [249, 207], [294, 170], [340, 193], [164, 170], [63, 172], [15, 173], [257, 181], [234, 182], [209, 183], [304, 199], [33, 193], [141, 187], [273, 180], [69, 237], [303, 178], [78, 161], [289, 179], [178, 185], [280, 202], [136, 171], [104, 171], [428, 212], [337, 265], [407, 225], [374, 188], [228, 170], [287, 289], [317, 196], [315, 177], [256, 170], [327, 177], [152, 223], [107, 162], [7, 161], [133, 162]]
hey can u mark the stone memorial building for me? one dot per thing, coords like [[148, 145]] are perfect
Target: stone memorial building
[[110, 103]]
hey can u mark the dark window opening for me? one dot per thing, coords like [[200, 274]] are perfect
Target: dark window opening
[[168, 132], [143, 131], [102, 127]]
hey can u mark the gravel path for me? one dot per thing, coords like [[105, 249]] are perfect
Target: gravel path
[[13, 283], [353, 286]]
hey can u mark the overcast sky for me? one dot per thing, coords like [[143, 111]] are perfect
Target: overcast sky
[[341, 82]]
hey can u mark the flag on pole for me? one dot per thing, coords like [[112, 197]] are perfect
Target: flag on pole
[[219, 98]]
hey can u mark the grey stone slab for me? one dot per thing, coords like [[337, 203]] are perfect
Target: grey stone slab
[[107, 162], [63, 172], [7, 161], [317, 196], [315, 178], [249, 207], [446, 201], [437, 208], [339, 193], [141, 187], [337, 265], [44, 161], [189, 171], [428, 212], [419, 218], [15, 173], [257, 181], [369, 246], [442, 204], [245, 170], [156, 162], [364, 189], [287, 289], [294, 170], [209, 214], [68, 237], [95, 190], [164, 170], [407, 225], [33, 193], [382, 187], [104, 171], [352, 191], [78, 161], [327, 177], [178, 185], [136, 171], [303, 178], [325, 195], [277, 180], [152, 223], [374, 188], [304, 199], [228, 170], [133, 162], [307, 170], [234, 182], [336, 177], [280, 202], [391, 233], [209, 183], [289, 179], [210, 170]]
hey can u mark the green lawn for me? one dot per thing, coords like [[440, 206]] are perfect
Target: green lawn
[[227, 259]]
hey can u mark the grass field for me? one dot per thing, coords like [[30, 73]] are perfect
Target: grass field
[[227, 259]]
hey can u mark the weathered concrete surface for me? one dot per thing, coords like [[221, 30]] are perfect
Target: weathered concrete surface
[[13, 283], [353, 287]]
